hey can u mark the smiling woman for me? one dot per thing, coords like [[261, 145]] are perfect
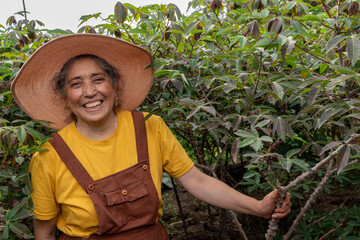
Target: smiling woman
[[101, 175], [90, 94]]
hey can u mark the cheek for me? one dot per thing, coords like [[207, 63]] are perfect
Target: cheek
[[71, 97]]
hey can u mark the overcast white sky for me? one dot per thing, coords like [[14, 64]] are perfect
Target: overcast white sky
[[65, 14]]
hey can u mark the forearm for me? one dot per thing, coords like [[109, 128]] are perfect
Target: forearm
[[45, 229], [217, 193]]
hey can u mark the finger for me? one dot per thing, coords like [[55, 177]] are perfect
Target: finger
[[280, 215], [287, 200]]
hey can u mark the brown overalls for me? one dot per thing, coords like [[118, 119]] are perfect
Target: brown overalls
[[126, 202]]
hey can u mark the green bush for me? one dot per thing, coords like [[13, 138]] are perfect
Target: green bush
[[267, 87]]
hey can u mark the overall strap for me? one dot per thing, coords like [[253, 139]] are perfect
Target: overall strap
[[141, 137], [71, 162]]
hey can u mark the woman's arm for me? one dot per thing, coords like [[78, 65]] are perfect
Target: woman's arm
[[45, 229], [217, 193]]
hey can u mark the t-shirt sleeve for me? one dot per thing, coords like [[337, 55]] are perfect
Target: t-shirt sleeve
[[176, 162], [42, 170]]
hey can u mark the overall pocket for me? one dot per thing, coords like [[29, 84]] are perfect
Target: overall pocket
[[132, 199]]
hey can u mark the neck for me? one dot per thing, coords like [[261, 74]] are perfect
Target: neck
[[98, 131]]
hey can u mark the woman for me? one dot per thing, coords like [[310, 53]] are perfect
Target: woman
[[101, 174]]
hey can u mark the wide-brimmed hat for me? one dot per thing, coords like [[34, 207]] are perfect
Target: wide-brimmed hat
[[32, 88]]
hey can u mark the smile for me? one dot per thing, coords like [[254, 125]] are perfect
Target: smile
[[92, 104]]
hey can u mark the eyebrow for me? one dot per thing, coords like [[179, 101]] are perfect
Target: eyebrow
[[92, 75]]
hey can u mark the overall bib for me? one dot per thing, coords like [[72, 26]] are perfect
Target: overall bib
[[126, 202]]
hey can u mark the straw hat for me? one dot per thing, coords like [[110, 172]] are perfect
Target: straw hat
[[32, 88]]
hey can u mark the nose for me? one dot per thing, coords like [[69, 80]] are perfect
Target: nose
[[89, 89]]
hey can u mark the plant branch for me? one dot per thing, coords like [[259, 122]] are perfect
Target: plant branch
[[238, 225], [273, 223], [317, 167], [312, 54], [311, 200], [234, 217]]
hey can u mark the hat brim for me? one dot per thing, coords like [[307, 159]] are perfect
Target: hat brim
[[32, 88]]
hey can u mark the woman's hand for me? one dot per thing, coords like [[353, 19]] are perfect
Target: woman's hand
[[267, 206], [217, 193]]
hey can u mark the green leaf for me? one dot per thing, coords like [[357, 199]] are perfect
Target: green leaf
[[301, 164], [246, 142], [21, 134], [209, 109], [343, 158], [120, 12], [278, 89], [190, 27], [23, 213], [34, 132], [257, 144], [290, 5], [262, 42], [353, 166], [225, 30], [353, 49], [282, 128], [296, 195], [292, 152], [3, 120], [262, 123], [5, 232], [328, 113], [332, 43], [245, 134], [339, 80], [287, 163], [196, 3], [329, 146], [314, 91], [342, 69], [9, 215], [20, 230], [310, 17], [166, 180], [266, 139], [139, 31]]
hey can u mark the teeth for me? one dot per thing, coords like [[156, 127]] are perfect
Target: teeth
[[93, 104]]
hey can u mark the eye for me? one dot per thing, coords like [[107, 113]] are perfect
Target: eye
[[74, 84], [99, 79]]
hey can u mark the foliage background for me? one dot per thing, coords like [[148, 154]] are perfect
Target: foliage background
[[260, 93]]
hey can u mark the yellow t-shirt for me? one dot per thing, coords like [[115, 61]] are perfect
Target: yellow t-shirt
[[56, 193]]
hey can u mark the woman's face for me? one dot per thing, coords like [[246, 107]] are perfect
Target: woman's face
[[89, 92]]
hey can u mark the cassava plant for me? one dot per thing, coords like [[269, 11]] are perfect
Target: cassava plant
[[262, 94]]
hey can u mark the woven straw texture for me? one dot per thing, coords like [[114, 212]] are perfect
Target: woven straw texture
[[33, 91]]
